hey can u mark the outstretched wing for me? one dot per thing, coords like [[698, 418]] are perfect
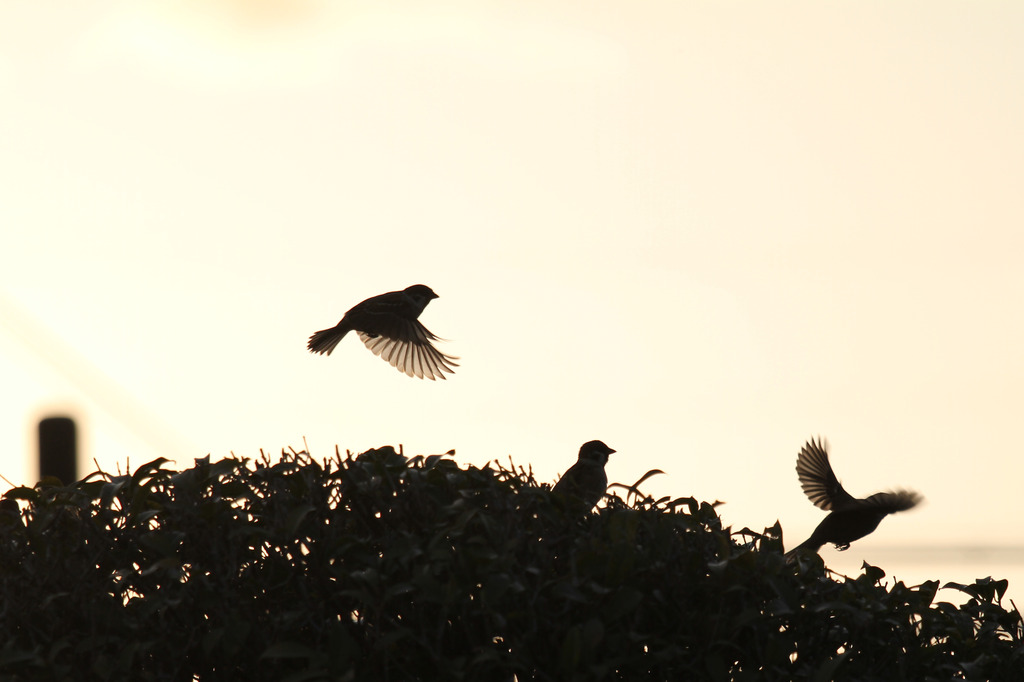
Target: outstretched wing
[[406, 344], [817, 478]]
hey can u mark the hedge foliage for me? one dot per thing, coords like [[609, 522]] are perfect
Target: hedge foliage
[[379, 567]]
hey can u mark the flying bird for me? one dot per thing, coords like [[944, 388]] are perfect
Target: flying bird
[[388, 326], [586, 480], [849, 518]]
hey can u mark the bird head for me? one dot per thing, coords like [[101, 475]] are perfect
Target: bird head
[[420, 292], [595, 451]]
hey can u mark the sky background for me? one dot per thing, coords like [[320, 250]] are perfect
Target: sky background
[[702, 232]]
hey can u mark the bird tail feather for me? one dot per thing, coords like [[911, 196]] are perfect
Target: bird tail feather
[[325, 340]]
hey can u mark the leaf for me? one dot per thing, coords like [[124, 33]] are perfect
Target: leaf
[[649, 474], [23, 493]]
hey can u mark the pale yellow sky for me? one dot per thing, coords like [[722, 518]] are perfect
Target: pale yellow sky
[[702, 232]]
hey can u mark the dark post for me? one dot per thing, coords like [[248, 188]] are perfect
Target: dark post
[[58, 449]]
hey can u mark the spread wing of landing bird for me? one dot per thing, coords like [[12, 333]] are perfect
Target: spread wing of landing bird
[[849, 518], [388, 325], [586, 480]]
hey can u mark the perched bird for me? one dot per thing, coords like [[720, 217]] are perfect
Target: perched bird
[[388, 326], [586, 480], [850, 519]]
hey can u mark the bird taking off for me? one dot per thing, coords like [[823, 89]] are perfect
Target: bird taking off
[[388, 326], [586, 480], [849, 518]]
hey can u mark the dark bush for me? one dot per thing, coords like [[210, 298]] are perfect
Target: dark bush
[[378, 567]]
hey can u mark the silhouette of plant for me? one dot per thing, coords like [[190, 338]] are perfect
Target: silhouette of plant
[[382, 567]]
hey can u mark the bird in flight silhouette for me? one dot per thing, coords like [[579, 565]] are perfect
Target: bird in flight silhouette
[[586, 480], [849, 518], [389, 327]]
